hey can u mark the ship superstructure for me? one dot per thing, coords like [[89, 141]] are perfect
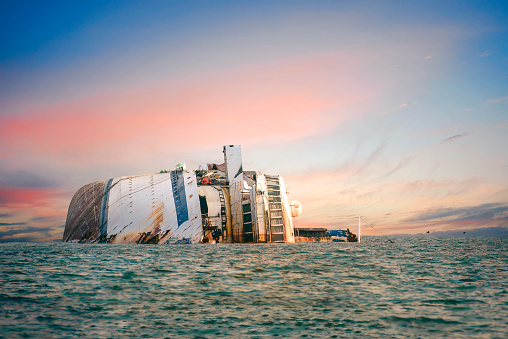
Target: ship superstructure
[[217, 202]]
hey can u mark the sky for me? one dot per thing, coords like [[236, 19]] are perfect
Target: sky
[[393, 110]]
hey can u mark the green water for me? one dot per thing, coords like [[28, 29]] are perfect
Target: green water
[[416, 287]]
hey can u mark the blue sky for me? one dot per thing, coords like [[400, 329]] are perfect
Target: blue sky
[[393, 110]]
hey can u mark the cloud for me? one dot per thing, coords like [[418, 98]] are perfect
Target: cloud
[[485, 54], [498, 100], [455, 137], [43, 219], [31, 232], [12, 223], [372, 157], [399, 166], [484, 212], [243, 89], [20, 197], [26, 234], [24, 179], [395, 109], [6, 215], [298, 98], [428, 57]]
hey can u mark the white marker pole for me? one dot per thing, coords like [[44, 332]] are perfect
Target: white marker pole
[[359, 230]]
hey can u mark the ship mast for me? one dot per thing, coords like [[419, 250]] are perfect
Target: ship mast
[[359, 230]]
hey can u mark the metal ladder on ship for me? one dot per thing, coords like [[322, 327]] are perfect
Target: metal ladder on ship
[[276, 220], [223, 215]]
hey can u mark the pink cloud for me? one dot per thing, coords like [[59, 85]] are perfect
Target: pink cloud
[[21, 197], [281, 101], [333, 197], [10, 197], [498, 100], [34, 202]]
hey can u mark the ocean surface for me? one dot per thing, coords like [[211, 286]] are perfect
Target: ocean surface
[[413, 287]]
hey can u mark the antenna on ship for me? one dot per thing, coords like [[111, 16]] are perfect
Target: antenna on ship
[[359, 229], [375, 229]]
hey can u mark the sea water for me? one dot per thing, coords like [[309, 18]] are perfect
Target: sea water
[[413, 287]]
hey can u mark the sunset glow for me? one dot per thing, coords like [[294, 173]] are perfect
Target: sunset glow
[[394, 111]]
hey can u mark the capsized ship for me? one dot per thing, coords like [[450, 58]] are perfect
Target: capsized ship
[[217, 202]]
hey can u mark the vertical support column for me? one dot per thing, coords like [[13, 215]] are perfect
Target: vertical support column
[[234, 176], [255, 226], [261, 199], [229, 222], [359, 229]]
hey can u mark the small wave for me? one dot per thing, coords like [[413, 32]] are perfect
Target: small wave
[[421, 320], [263, 290], [452, 301]]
